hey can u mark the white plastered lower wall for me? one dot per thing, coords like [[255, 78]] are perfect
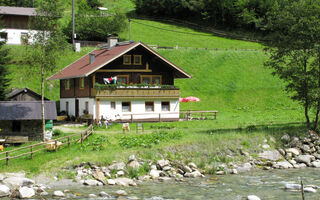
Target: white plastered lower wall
[[138, 110], [14, 35], [82, 105]]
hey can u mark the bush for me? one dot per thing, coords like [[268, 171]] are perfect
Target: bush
[[57, 132], [148, 140], [96, 144]]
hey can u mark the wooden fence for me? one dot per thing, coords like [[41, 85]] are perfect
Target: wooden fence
[[201, 114], [49, 145]]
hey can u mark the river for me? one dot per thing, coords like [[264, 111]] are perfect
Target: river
[[265, 184]]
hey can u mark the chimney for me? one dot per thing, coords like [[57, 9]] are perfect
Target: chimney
[[91, 58], [112, 41]]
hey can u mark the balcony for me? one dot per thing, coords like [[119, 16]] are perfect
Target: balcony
[[133, 92]]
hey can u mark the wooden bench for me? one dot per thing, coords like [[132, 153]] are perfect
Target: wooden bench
[[203, 114]]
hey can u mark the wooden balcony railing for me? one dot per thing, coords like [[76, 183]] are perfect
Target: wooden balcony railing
[[137, 93]]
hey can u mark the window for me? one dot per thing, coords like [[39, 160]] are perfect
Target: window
[[3, 36], [149, 106], [126, 107], [87, 107], [16, 126], [81, 83], [137, 60], [165, 106], [113, 105], [67, 84], [151, 79], [67, 108], [124, 79], [127, 59]]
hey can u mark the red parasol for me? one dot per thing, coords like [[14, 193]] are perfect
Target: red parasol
[[187, 99]]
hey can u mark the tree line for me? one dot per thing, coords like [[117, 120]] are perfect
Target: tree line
[[248, 14]]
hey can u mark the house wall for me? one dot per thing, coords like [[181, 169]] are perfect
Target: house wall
[[75, 90], [14, 36], [82, 105], [31, 128], [138, 110], [25, 97]]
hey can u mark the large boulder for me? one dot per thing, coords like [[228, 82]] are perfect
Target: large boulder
[[26, 192], [292, 186], [283, 165], [285, 138], [92, 182], [306, 159], [111, 182], [244, 167], [124, 182], [99, 176], [15, 182], [270, 155], [117, 166], [162, 163], [316, 163], [4, 191], [121, 193], [134, 164], [253, 197], [58, 193], [155, 173], [293, 151]]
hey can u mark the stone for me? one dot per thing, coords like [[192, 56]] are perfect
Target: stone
[[220, 173], [120, 173], [153, 167], [244, 153], [111, 182], [292, 162], [58, 193], [155, 173], [121, 193], [104, 194], [44, 193], [234, 171], [195, 174], [162, 163], [26, 192], [124, 182], [293, 151], [92, 182], [164, 179], [295, 142], [302, 165], [285, 138], [316, 164], [134, 164], [167, 168], [144, 178], [270, 155], [92, 196], [192, 165], [117, 166], [4, 191], [283, 165], [186, 169], [15, 182], [99, 176], [244, 167], [180, 171], [310, 190], [317, 156], [132, 158], [17, 175], [292, 186], [305, 148], [1, 177], [306, 159], [253, 197], [282, 152], [265, 146]]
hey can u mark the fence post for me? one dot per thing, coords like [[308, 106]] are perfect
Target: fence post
[[31, 152], [68, 141], [159, 117], [131, 118], [7, 158], [56, 145], [81, 138]]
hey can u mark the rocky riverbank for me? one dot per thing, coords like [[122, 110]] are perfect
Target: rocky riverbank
[[297, 153]]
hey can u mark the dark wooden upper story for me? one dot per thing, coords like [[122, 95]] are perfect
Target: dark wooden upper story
[[138, 65], [16, 17]]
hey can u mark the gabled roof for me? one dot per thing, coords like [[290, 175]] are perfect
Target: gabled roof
[[6, 10], [16, 92], [27, 110], [82, 67]]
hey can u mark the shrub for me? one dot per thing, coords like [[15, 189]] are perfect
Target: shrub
[[57, 132], [95, 144], [148, 140]]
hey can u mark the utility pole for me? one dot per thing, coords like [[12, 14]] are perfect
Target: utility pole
[[129, 28], [73, 24]]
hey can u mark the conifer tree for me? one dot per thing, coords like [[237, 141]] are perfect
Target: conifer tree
[[4, 82]]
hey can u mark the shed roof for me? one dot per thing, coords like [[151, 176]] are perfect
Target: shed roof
[[6, 10], [83, 68], [27, 110], [16, 92]]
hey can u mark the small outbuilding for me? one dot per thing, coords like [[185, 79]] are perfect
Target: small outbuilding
[[24, 94], [23, 118]]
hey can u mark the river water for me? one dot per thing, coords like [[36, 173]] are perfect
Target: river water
[[265, 184]]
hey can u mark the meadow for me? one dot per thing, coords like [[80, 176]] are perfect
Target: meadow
[[251, 103]]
